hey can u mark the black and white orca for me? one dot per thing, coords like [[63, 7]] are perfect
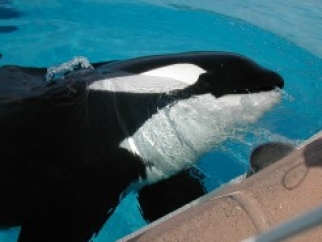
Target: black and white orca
[[72, 147]]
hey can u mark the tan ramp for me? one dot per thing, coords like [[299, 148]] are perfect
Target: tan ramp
[[290, 186]]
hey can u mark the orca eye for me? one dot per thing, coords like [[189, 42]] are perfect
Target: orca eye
[[205, 85]]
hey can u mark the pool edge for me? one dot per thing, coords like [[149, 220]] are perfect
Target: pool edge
[[238, 211]]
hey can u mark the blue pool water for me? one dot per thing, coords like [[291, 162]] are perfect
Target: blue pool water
[[44, 33]]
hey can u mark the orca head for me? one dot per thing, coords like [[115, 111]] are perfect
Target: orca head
[[232, 92], [237, 75]]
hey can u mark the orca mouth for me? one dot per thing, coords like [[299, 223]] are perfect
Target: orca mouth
[[274, 80], [260, 89], [271, 81]]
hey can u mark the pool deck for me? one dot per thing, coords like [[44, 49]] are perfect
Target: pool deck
[[235, 212]]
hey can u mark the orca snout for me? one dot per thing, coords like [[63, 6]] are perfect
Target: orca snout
[[267, 80], [275, 79]]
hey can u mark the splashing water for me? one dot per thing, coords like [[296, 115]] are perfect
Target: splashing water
[[56, 72]]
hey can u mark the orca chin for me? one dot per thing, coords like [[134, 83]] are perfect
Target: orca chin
[[76, 137]]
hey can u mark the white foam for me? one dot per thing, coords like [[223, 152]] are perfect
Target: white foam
[[58, 71]]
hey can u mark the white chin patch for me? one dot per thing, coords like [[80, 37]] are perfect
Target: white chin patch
[[187, 73], [232, 100]]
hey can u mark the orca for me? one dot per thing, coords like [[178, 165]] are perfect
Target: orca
[[72, 146]]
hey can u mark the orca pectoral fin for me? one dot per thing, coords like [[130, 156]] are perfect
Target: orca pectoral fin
[[164, 197], [73, 210]]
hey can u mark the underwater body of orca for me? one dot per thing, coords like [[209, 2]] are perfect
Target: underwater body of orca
[[72, 147]]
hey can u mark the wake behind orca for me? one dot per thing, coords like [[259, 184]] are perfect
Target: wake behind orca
[[73, 145]]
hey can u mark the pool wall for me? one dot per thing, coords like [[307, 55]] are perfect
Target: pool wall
[[298, 21], [235, 212]]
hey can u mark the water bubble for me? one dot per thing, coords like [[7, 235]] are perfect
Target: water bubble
[[58, 71]]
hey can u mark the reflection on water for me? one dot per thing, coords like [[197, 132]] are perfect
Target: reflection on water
[[7, 29], [298, 21], [7, 12]]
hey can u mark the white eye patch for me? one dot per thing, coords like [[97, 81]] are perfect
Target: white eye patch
[[129, 83], [187, 73]]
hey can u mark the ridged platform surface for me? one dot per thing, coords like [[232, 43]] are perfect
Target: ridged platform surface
[[281, 191]]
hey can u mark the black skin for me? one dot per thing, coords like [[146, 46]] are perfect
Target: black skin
[[62, 171], [164, 197]]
